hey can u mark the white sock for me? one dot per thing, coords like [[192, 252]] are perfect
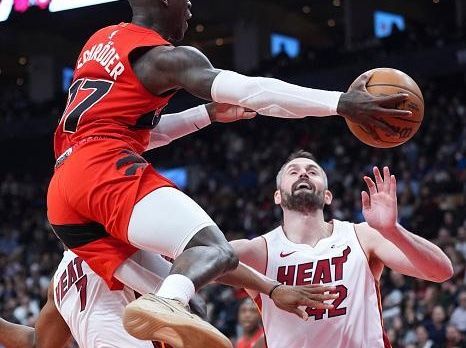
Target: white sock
[[177, 287]]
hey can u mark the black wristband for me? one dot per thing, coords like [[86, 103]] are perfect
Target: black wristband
[[273, 289]]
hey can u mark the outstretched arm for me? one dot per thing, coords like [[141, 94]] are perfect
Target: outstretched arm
[[16, 336], [389, 242], [288, 298], [50, 330], [166, 68]]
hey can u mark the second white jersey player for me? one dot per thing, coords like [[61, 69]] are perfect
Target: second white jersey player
[[89, 307], [338, 260]]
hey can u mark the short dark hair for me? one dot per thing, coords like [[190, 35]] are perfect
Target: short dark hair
[[300, 154], [297, 154]]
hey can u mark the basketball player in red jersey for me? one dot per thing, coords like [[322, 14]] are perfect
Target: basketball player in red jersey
[[104, 200], [249, 320]]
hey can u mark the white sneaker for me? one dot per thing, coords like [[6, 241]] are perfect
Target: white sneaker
[[155, 318]]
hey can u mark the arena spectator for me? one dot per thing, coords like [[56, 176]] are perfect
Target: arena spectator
[[458, 317], [250, 327]]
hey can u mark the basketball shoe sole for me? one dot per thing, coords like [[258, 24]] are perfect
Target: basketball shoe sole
[[154, 318]]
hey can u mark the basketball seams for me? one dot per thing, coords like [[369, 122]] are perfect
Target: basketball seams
[[397, 86], [390, 82], [401, 118], [385, 144]]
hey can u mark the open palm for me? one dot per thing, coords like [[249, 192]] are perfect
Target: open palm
[[379, 206]]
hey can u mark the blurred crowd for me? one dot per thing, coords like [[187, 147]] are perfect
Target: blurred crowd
[[232, 171]]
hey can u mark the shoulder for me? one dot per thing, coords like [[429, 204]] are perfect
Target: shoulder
[[252, 252], [174, 58], [371, 241], [363, 229], [249, 245], [367, 237], [164, 68]]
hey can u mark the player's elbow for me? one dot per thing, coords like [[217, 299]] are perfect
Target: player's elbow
[[443, 272], [449, 271]]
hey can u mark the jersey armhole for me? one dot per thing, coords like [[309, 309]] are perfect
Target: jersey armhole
[[266, 255], [359, 242], [367, 259]]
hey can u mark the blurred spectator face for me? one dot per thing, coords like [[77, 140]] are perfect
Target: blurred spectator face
[[448, 218], [391, 333], [461, 233], [248, 316], [462, 299], [431, 294], [397, 323], [421, 334], [452, 334], [444, 236], [398, 279], [438, 315]]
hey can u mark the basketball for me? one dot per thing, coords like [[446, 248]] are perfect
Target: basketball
[[387, 81]]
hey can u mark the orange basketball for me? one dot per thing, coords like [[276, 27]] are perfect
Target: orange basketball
[[386, 81]]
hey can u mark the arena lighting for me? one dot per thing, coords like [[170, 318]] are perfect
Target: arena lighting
[[7, 6], [5, 9], [62, 5]]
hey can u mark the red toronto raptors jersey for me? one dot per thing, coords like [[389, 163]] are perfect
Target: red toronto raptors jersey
[[106, 98]]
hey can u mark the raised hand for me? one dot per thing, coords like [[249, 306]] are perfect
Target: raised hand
[[358, 105], [379, 206], [225, 113], [293, 298]]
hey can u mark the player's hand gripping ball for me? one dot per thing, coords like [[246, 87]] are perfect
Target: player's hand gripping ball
[[386, 81]]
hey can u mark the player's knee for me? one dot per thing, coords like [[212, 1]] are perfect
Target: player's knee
[[221, 250]]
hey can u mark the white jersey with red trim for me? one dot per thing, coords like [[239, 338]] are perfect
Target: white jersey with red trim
[[338, 260], [91, 310]]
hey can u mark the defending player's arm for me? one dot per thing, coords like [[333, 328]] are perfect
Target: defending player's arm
[[166, 68], [389, 243], [174, 126], [50, 330], [16, 336], [288, 298], [250, 275]]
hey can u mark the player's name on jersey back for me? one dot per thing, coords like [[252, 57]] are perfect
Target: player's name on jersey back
[[106, 55]]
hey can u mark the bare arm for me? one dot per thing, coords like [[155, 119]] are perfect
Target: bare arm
[[16, 336], [390, 243], [251, 277], [167, 68], [51, 330], [406, 253], [252, 252]]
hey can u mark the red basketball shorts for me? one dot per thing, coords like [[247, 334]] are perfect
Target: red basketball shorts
[[91, 197]]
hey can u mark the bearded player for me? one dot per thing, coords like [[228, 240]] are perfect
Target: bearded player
[[306, 249], [102, 187]]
